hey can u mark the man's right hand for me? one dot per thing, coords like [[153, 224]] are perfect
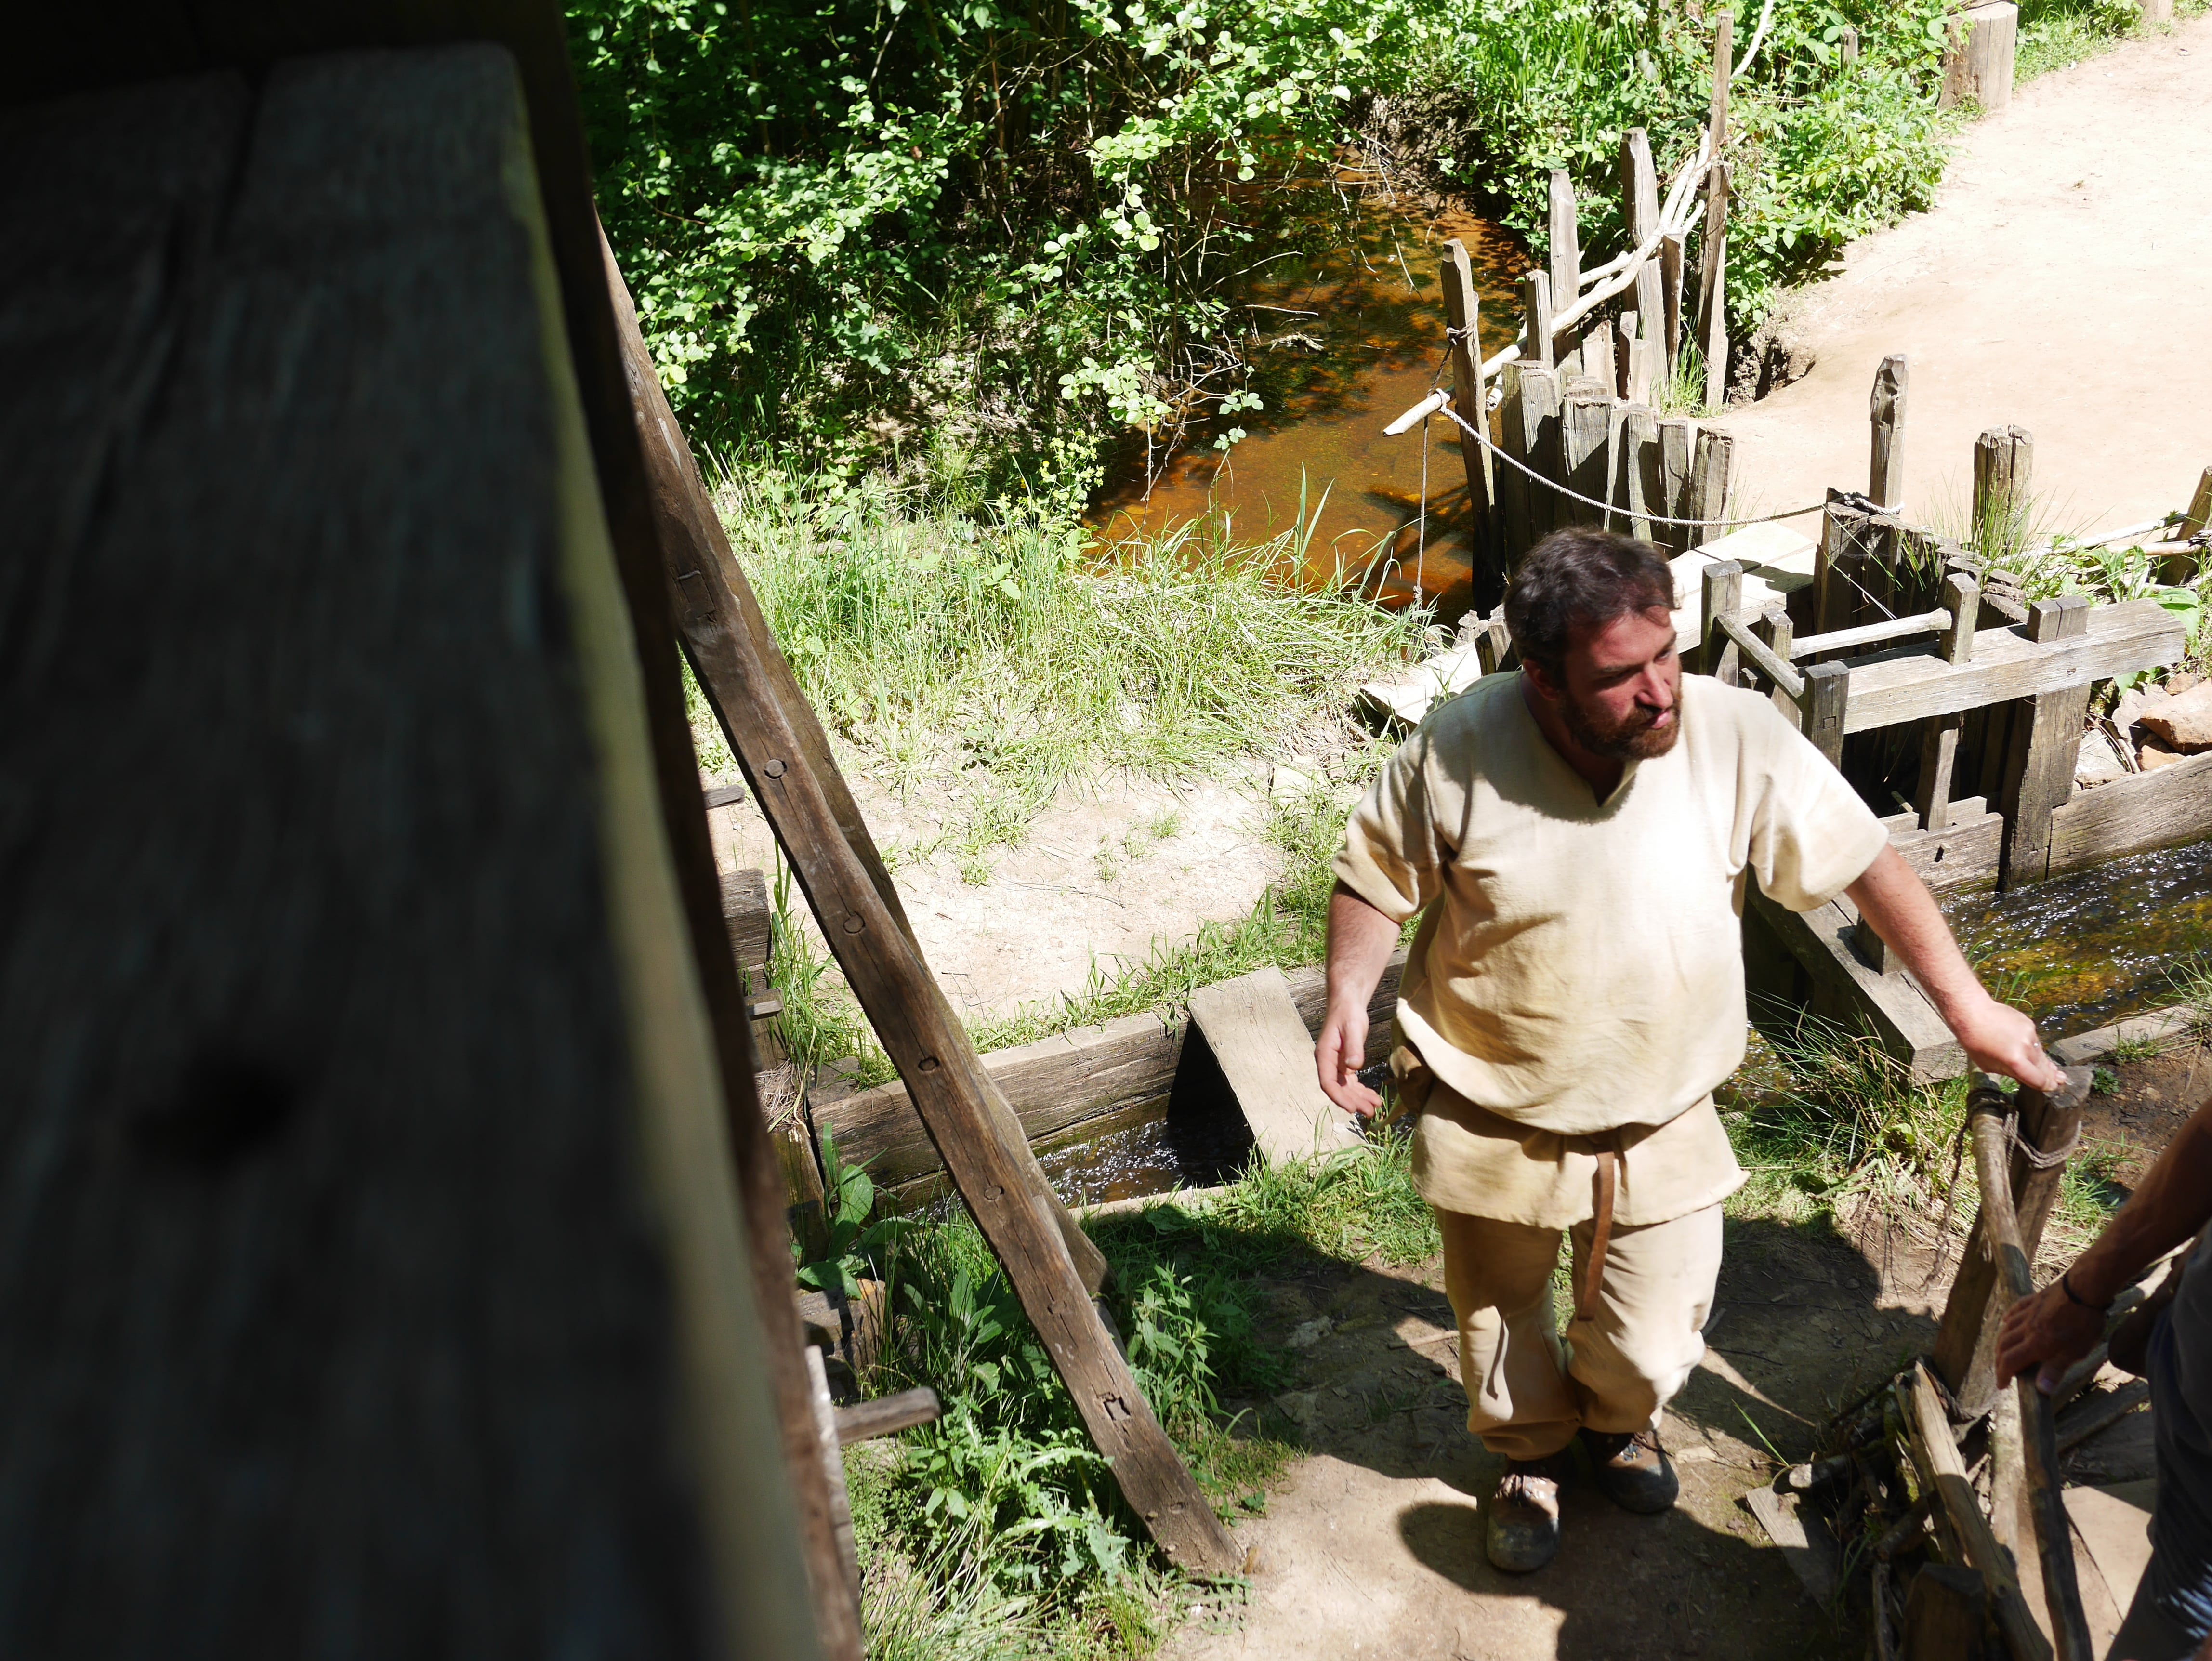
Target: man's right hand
[[1338, 1052]]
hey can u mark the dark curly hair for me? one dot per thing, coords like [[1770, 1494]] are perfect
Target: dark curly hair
[[1581, 575]]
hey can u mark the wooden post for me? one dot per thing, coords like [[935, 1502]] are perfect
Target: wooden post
[[1678, 449], [1978, 56], [1840, 570], [1987, 1113], [1639, 212], [1821, 716], [1670, 297], [1536, 308], [1539, 411], [1462, 312], [2004, 464], [1712, 481], [2040, 772], [1566, 262], [1847, 45], [1712, 293], [1585, 454], [1886, 409], [829, 1452], [1775, 630], [1965, 1341], [1512, 517], [1939, 747], [1640, 485], [1943, 1615], [1932, 1441], [1723, 597], [1596, 356], [730, 649]]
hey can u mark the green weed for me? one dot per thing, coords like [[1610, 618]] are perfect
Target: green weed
[[2136, 1049]]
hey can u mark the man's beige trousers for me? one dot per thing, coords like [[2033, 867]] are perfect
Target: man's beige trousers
[[1527, 1391]]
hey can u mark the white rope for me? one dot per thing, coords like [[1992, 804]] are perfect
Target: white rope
[[1553, 485], [1759, 36]]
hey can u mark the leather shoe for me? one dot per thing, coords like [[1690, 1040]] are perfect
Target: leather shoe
[[1633, 1471], [1524, 1533]]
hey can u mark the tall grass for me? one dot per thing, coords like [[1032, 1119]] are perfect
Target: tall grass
[[1002, 656]]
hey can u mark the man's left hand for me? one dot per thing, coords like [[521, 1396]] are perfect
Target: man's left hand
[[1998, 1038]]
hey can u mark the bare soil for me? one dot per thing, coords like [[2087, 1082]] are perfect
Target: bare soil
[[2058, 284], [1372, 1544], [1090, 882]]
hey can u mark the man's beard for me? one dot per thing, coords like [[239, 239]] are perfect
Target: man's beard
[[1634, 739]]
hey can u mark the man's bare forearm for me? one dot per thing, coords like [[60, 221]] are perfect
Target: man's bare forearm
[[1360, 941], [2172, 1203], [1891, 897]]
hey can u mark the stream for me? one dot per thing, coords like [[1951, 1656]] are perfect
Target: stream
[[1344, 342]]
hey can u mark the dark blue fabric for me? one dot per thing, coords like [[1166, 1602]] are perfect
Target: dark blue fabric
[[2180, 1361]]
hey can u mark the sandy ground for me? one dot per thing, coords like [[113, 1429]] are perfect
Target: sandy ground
[[2062, 283], [1091, 883]]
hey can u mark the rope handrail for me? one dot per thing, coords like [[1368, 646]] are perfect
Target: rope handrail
[[1444, 406]]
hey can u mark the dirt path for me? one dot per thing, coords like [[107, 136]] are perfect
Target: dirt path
[[2062, 282]]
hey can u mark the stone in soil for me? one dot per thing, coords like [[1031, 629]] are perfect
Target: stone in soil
[[2183, 722]]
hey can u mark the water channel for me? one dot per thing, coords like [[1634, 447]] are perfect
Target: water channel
[[1341, 344]]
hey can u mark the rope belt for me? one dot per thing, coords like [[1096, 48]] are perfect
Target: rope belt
[[1603, 1181]]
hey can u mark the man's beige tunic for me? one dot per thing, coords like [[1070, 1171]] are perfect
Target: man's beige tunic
[[1579, 971]]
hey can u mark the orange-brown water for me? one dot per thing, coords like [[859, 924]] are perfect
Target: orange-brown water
[[1341, 344]]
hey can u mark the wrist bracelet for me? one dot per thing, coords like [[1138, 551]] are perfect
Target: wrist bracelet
[[2066, 1286]]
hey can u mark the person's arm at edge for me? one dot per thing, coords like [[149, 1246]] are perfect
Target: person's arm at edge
[[2051, 1331], [1997, 1038], [1360, 941]]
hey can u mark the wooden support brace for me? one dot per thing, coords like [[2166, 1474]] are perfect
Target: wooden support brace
[[771, 730], [2182, 567], [1939, 748]]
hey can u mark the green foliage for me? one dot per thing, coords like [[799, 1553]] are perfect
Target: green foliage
[[856, 1243], [849, 224], [1819, 153]]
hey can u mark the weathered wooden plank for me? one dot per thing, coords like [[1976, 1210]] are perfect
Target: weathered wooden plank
[[1964, 854], [2039, 774], [1536, 320], [1639, 204], [1266, 1053], [1638, 485], [2134, 815], [746, 911], [1670, 294], [1824, 715], [1540, 431], [1585, 464], [1711, 482], [387, 1059], [1566, 260], [1059, 1084], [887, 1415], [1678, 447], [1893, 1010], [1913, 683]]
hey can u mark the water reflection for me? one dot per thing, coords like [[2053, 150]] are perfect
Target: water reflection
[[1340, 345]]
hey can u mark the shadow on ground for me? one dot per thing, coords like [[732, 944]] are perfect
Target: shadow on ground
[[1376, 1541]]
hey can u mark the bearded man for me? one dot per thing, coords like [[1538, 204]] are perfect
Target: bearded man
[[1576, 838]]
